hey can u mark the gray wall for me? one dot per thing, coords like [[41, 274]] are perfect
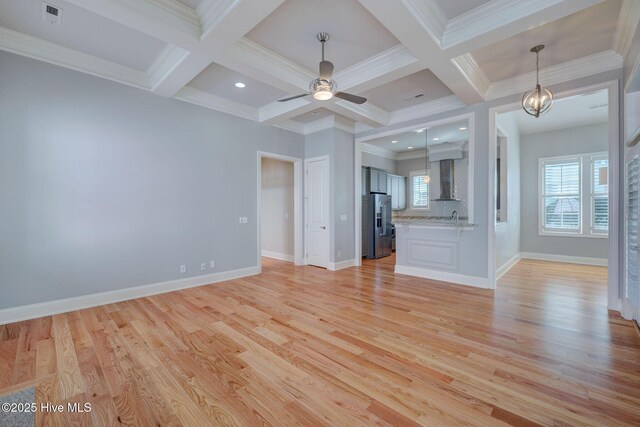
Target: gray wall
[[380, 162], [507, 242], [579, 140], [106, 187], [277, 207], [339, 146]]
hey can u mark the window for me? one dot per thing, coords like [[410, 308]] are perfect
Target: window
[[419, 191], [561, 195], [563, 209]]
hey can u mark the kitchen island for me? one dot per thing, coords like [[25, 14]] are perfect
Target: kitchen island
[[430, 247]]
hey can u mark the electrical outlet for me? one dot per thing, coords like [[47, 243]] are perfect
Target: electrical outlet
[[203, 266], [339, 254], [212, 264], [183, 268], [243, 220]]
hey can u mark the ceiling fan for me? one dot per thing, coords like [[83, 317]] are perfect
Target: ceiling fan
[[323, 88]]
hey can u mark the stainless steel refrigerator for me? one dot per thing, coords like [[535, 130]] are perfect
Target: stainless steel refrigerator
[[376, 225]]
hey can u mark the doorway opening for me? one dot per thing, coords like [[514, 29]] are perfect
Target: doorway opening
[[279, 208], [553, 191]]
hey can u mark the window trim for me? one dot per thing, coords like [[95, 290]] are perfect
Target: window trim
[[584, 229], [412, 206], [592, 195]]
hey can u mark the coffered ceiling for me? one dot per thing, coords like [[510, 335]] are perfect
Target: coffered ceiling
[[453, 52]]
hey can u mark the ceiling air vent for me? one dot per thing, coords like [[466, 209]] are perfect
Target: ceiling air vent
[[51, 14]]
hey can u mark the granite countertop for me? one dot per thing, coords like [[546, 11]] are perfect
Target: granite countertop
[[430, 220]]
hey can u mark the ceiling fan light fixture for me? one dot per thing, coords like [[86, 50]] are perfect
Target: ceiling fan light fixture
[[323, 94], [538, 100]]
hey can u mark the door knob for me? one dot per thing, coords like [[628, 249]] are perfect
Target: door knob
[[323, 227]]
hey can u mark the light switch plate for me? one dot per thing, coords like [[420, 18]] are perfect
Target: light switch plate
[[343, 217]]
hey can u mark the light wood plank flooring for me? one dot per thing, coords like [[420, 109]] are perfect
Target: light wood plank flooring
[[362, 346]]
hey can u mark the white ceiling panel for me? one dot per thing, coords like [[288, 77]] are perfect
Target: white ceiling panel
[[82, 30], [450, 132], [314, 115], [408, 91], [580, 110], [221, 81], [453, 8], [584, 33], [291, 29]]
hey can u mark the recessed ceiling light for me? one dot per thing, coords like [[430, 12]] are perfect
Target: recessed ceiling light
[[409, 148], [436, 139], [420, 130], [463, 128], [394, 141], [240, 85]]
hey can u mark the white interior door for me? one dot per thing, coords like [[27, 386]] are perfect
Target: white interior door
[[317, 212]]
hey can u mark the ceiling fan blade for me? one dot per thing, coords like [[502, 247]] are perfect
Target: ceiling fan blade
[[326, 70], [351, 98], [293, 97]]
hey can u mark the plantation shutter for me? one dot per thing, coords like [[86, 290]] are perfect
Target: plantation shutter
[[561, 194], [420, 192]]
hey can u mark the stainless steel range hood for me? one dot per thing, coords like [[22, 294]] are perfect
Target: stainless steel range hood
[[447, 181]]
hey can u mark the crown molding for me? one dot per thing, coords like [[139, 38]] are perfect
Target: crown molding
[[166, 20], [179, 9], [271, 63], [329, 122], [430, 17], [166, 62], [218, 103], [291, 125], [344, 124], [379, 151], [387, 62], [472, 72], [426, 109], [42, 50], [582, 67], [418, 153], [626, 28], [368, 113], [277, 111], [499, 14], [212, 12]]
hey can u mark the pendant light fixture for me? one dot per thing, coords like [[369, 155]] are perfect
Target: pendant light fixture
[[425, 178], [539, 100]]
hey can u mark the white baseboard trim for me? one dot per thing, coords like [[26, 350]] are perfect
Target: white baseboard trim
[[276, 255], [507, 266], [565, 258], [49, 308], [444, 276], [333, 266]]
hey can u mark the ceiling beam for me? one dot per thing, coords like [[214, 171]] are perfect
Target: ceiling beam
[[418, 33], [367, 113], [500, 19], [385, 67], [224, 22]]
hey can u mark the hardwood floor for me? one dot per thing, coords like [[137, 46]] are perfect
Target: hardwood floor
[[305, 346]]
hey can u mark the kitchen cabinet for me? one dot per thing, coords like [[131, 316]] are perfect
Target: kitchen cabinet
[[377, 181], [397, 188]]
